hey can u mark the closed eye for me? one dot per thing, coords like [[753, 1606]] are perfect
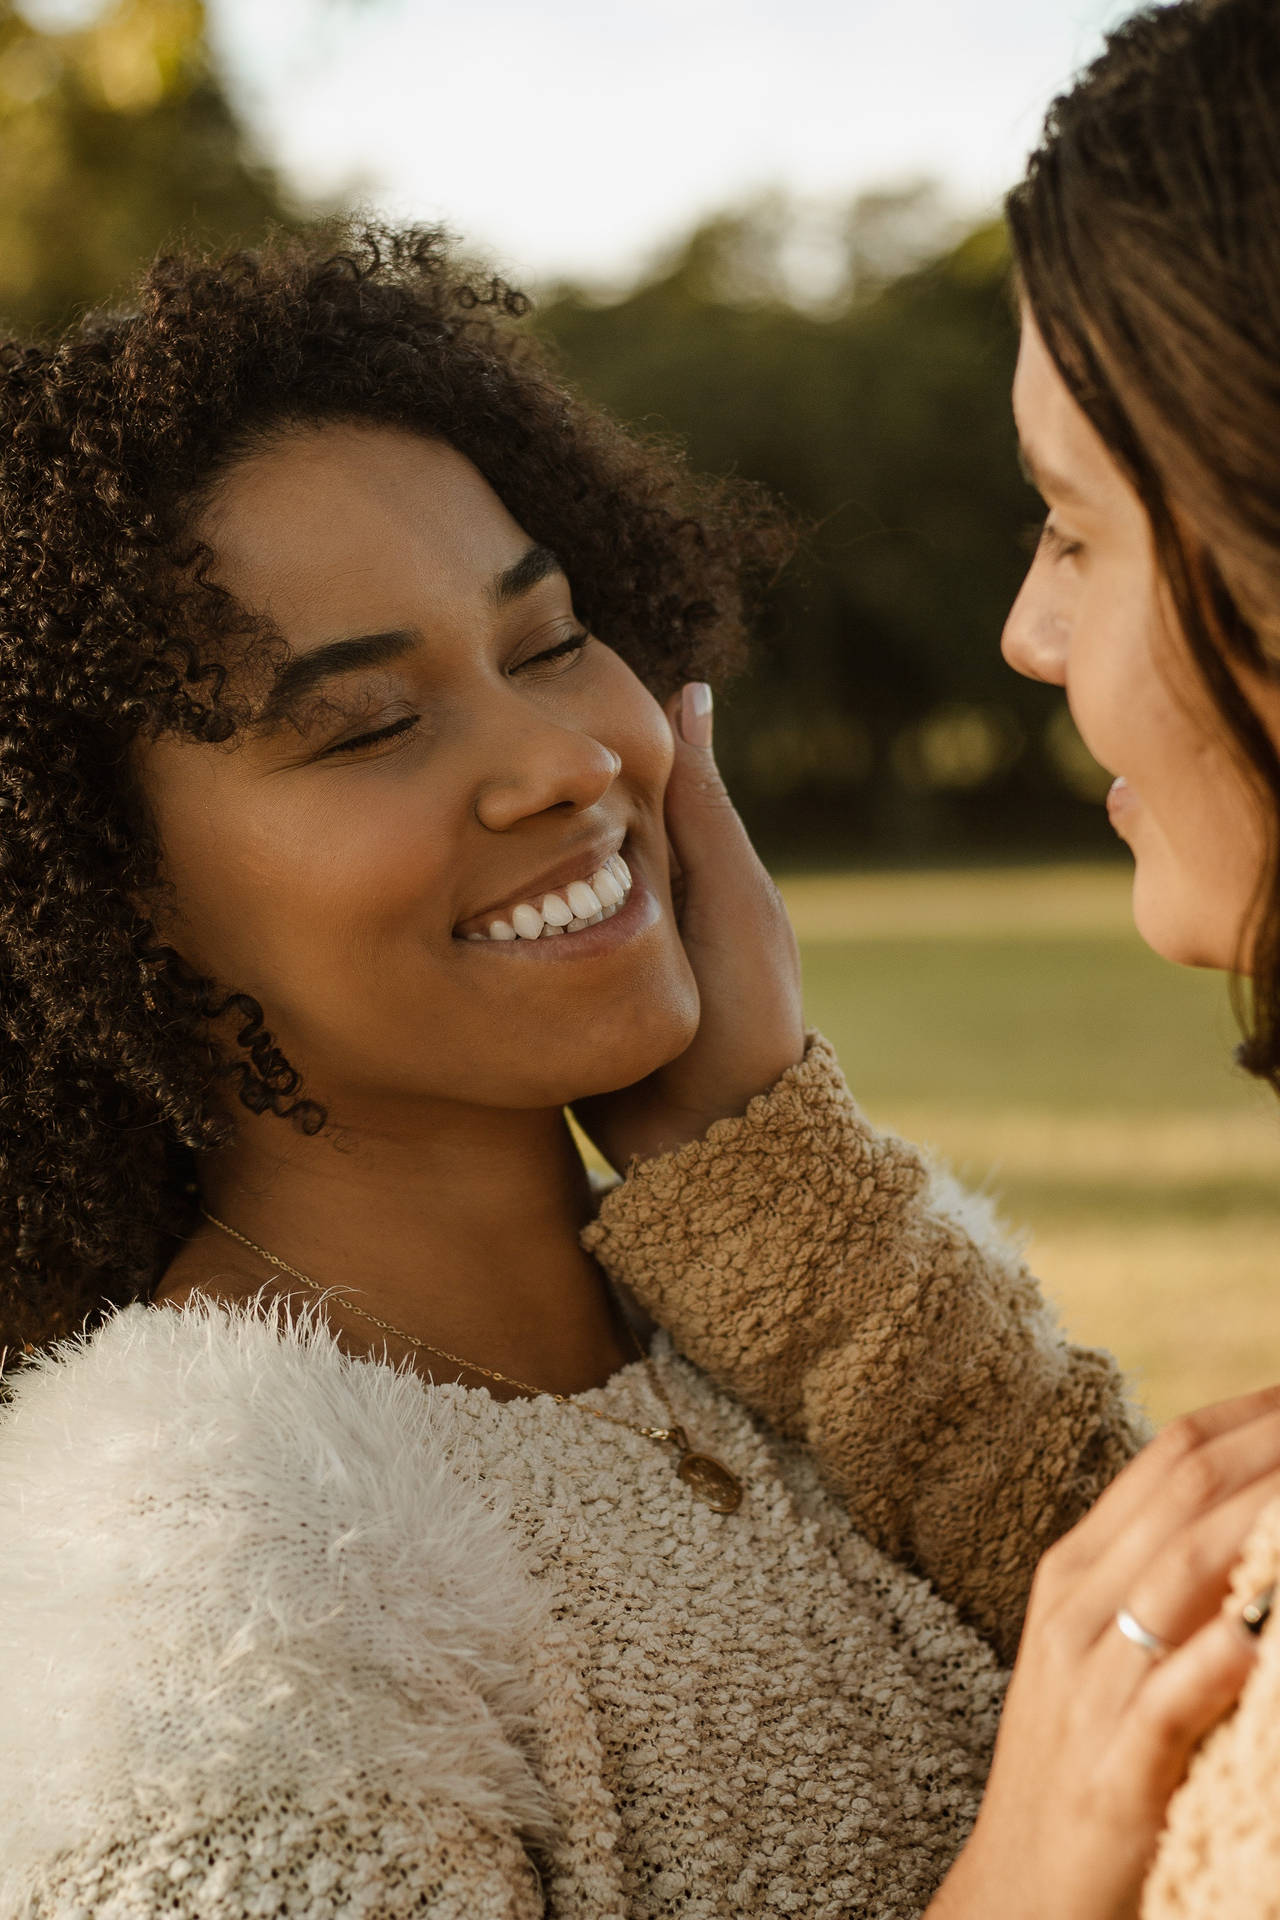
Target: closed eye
[[573, 643], [1044, 537], [388, 732]]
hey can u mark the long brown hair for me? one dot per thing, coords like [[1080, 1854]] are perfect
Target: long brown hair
[[1147, 241]]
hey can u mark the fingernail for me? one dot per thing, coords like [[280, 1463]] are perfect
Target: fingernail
[[1258, 1611], [695, 713]]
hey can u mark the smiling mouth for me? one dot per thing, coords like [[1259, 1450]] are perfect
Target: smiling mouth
[[583, 903]]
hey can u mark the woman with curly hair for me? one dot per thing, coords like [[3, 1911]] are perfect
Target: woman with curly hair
[[335, 795]]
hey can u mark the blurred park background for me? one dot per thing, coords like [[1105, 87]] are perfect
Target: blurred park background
[[846, 338]]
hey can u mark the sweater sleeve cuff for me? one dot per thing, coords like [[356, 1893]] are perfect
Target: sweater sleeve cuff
[[752, 1215]]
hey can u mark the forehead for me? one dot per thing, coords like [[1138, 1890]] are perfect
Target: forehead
[[340, 523], [1058, 439], [1042, 401]]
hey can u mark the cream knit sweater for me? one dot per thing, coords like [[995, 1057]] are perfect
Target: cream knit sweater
[[288, 1633]]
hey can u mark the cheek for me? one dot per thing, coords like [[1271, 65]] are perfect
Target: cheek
[[296, 903], [630, 720], [1200, 848], [1188, 814], [1117, 684]]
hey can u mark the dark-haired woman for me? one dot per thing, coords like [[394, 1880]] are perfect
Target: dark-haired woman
[[335, 864]]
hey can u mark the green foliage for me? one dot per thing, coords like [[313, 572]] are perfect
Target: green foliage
[[880, 717], [115, 139], [859, 367]]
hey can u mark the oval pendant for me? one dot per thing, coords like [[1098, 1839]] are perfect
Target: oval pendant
[[711, 1482]]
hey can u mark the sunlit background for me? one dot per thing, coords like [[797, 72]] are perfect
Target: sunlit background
[[772, 231]]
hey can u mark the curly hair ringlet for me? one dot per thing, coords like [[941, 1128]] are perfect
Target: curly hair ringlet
[[112, 629], [1146, 239]]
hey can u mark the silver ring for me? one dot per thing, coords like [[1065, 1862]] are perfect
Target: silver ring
[[1141, 1636]]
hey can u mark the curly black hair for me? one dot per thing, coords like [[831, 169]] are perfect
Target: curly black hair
[[111, 630]]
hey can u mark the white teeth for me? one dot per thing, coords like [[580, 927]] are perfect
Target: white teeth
[[583, 900], [584, 903]]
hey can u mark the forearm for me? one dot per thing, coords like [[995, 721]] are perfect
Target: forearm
[[861, 1304]]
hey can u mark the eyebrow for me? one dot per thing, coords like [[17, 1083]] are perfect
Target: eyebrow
[[303, 673], [1046, 481], [537, 564]]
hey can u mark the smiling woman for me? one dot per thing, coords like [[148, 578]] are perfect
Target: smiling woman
[[396, 792], [1097, 615], [346, 839], [233, 516]]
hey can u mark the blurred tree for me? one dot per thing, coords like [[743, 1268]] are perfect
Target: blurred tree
[[857, 360], [115, 137], [880, 713]]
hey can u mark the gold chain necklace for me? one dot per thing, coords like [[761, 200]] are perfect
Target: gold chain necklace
[[708, 1479]]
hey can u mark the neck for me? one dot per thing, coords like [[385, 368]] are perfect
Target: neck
[[460, 1228]]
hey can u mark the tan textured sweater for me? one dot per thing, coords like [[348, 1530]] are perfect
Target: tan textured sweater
[[1219, 1856], [850, 1313], [286, 1632], [862, 1302]]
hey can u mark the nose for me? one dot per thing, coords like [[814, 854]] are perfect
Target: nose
[[537, 766], [1035, 641]]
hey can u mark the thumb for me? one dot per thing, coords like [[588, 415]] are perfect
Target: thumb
[[702, 822]]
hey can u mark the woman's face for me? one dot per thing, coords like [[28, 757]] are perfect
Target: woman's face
[[1095, 617], [445, 751]]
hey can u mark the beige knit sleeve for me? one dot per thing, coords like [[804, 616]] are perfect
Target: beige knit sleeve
[[382, 1859], [857, 1299], [1219, 1854]]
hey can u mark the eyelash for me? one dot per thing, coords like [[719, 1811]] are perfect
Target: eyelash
[[572, 644], [1043, 535]]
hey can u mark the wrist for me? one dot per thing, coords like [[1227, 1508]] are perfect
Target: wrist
[[680, 1123], [969, 1892]]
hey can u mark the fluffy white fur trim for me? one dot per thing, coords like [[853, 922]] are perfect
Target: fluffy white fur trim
[[233, 1560]]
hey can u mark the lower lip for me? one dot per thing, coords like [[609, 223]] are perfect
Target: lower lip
[[1121, 800], [638, 911]]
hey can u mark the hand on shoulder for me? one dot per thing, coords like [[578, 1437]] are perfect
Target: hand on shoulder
[[1099, 1729]]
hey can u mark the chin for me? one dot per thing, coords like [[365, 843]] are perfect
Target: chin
[[623, 1059], [597, 1057], [1177, 927]]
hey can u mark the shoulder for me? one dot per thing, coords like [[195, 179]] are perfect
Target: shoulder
[[1220, 1851], [233, 1561]]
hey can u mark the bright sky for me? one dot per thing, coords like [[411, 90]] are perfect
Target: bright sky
[[575, 136]]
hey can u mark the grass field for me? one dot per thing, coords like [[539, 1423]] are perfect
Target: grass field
[[1014, 1021]]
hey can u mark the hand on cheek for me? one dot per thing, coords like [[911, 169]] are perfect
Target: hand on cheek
[[744, 959]]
